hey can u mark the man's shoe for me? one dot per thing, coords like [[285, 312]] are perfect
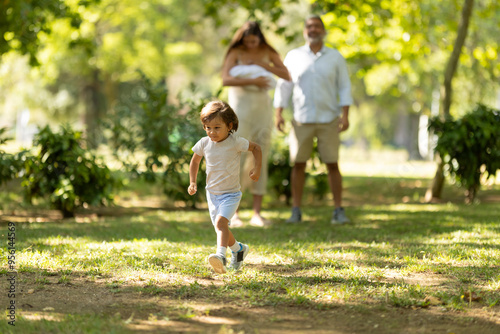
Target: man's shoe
[[218, 262], [238, 257], [339, 217], [296, 216]]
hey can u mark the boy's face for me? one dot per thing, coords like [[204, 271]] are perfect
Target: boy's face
[[217, 130]]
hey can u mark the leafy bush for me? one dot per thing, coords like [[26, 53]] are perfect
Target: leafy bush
[[470, 146], [144, 124], [66, 172], [9, 163], [279, 169]]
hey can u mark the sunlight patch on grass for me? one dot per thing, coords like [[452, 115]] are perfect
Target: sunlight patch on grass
[[418, 208], [377, 216], [38, 259], [112, 257], [494, 284]]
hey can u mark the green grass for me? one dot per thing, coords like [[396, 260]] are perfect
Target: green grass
[[70, 323], [383, 259]]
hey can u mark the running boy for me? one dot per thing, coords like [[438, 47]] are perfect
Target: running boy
[[222, 150]]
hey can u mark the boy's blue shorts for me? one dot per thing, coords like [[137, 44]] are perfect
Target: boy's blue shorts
[[224, 205]]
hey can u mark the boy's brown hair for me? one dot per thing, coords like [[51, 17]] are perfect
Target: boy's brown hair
[[220, 109]]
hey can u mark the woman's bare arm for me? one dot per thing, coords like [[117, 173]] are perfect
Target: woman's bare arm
[[228, 80], [276, 66]]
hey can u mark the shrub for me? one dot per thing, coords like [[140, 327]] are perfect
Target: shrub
[[470, 146], [69, 175], [144, 124], [279, 169], [9, 163]]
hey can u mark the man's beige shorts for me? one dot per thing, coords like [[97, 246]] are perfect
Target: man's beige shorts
[[302, 136]]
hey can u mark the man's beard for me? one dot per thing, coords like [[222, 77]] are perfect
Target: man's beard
[[314, 40]]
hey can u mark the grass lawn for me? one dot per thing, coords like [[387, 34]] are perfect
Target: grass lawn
[[401, 266]]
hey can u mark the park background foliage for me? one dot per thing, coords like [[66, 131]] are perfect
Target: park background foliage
[[127, 79], [90, 52], [131, 76], [470, 147]]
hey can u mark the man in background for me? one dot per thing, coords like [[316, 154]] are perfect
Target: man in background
[[320, 90]]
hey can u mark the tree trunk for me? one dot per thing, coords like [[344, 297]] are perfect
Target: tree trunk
[[92, 100], [434, 193]]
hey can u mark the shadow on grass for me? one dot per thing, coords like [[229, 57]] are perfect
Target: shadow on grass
[[379, 224]]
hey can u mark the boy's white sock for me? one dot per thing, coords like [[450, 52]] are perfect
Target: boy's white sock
[[236, 247], [221, 250]]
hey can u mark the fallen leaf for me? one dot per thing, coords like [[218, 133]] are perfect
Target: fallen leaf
[[48, 309]]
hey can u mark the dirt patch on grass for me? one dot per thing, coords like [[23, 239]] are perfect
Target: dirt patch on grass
[[166, 312], [423, 279]]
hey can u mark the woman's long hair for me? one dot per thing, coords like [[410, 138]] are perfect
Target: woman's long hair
[[248, 28]]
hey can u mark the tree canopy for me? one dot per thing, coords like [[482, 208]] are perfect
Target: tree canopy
[[23, 21], [397, 50]]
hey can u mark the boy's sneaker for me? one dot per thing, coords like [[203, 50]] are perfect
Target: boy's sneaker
[[296, 216], [218, 262], [339, 216], [238, 257]]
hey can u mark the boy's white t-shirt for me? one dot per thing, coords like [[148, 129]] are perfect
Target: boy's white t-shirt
[[222, 160]]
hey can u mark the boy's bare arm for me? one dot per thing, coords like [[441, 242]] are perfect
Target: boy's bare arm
[[257, 155], [193, 173]]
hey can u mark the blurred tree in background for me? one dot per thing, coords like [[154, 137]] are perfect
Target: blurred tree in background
[[90, 53], [397, 51], [22, 22], [470, 147], [144, 124]]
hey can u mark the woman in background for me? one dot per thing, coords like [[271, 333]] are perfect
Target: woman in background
[[248, 69]]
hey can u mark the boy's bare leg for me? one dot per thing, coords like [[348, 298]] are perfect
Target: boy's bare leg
[[224, 236]]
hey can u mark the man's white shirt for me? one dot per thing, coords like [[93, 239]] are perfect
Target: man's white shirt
[[320, 85]]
